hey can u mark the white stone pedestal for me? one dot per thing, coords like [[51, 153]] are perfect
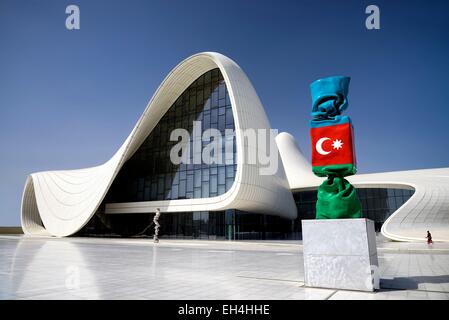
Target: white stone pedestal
[[340, 254]]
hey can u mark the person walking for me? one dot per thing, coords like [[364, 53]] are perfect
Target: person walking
[[429, 238]]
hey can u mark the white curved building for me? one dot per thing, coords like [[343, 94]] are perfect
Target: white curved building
[[232, 199]]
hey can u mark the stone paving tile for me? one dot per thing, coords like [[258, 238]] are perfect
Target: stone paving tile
[[87, 268]]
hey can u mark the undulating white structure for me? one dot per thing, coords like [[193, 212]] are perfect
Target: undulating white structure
[[61, 203]]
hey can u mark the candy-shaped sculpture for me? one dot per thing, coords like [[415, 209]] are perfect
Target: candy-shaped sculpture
[[333, 152]]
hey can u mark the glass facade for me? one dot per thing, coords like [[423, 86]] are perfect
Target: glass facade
[[377, 204], [218, 225], [150, 174]]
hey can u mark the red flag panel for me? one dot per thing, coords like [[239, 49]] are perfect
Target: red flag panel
[[332, 144]]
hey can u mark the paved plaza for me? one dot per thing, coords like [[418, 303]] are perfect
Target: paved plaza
[[100, 268]]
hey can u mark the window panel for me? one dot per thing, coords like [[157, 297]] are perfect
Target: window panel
[[174, 192], [229, 117], [199, 97], [221, 175], [214, 99], [213, 184], [229, 171], [205, 175], [222, 90], [190, 183], [214, 116], [229, 182], [197, 178], [205, 190], [182, 188]]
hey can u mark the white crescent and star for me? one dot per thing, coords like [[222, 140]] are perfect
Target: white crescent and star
[[336, 144], [319, 146]]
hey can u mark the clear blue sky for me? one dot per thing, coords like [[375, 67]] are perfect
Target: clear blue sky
[[68, 99]]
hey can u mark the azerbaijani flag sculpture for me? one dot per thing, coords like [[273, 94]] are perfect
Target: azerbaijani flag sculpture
[[333, 152]]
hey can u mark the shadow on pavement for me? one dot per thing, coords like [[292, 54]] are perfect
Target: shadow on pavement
[[409, 283]]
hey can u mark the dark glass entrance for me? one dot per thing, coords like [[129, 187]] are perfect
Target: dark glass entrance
[[377, 204]]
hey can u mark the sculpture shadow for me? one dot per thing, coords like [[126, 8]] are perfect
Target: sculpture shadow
[[410, 283]]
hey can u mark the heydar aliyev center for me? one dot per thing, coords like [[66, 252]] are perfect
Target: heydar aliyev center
[[231, 200]]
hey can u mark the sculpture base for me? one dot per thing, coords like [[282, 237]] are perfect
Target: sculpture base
[[340, 254]]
